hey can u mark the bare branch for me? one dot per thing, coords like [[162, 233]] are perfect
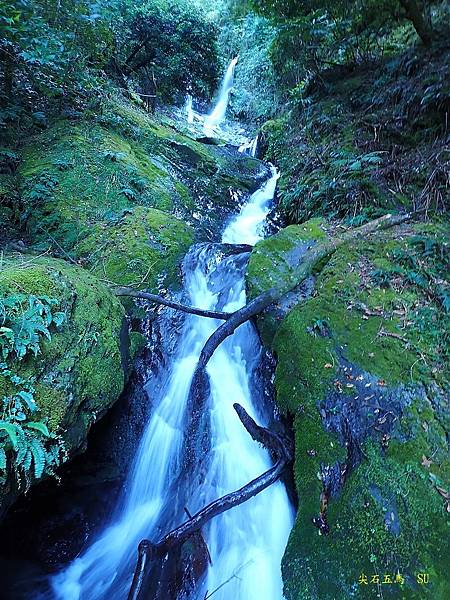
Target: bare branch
[[148, 551], [212, 314]]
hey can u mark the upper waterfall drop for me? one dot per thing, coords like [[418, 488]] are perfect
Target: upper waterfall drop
[[188, 109], [217, 116]]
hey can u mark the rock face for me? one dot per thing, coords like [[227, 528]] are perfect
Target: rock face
[[112, 198], [81, 370], [367, 387]]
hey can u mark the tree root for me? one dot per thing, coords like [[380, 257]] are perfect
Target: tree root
[[150, 553]]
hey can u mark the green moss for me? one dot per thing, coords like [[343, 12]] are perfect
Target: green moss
[[78, 373], [52, 404], [143, 249], [381, 490], [102, 192], [301, 375], [272, 258], [351, 316], [88, 175], [271, 263], [137, 343]]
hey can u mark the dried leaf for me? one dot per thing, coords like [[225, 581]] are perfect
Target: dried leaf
[[426, 462]]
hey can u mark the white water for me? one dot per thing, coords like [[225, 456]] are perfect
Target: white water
[[249, 147], [247, 542], [189, 110], [246, 227], [217, 116]]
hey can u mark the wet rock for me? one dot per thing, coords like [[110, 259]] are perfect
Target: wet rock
[[79, 372], [370, 416]]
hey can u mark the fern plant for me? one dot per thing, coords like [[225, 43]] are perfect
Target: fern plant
[[27, 448]]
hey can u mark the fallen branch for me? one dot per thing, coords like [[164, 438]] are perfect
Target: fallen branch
[[212, 314], [396, 336], [149, 552], [311, 260]]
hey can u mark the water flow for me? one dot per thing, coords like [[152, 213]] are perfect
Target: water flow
[[247, 542], [246, 227], [217, 116], [188, 109], [249, 147]]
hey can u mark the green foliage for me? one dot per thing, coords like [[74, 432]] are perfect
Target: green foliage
[[337, 159], [177, 43], [425, 264], [54, 49], [23, 320], [344, 176], [312, 35], [26, 445], [255, 95], [61, 56]]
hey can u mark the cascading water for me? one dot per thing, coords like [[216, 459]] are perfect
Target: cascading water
[[189, 110], [249, 147], [217, 116], [247, 542]]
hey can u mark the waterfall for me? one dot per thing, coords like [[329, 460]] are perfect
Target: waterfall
[[188, 109], [217, 116], [249, 147], [247, 542]]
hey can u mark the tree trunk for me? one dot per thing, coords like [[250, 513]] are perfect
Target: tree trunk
[[415, 14]]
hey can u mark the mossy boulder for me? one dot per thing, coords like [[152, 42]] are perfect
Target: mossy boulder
[[81, 371], [81, 176], [144, 248], [363, 371]]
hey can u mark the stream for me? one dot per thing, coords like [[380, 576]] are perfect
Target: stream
[[246, 543]]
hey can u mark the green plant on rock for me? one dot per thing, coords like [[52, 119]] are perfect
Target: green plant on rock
[[27, 447]]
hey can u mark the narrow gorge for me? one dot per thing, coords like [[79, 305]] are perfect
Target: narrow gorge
[[224, 300]]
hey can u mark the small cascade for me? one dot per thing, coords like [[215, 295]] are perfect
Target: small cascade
[[246, 543], [217, 116], [250, 147], [189, 111]]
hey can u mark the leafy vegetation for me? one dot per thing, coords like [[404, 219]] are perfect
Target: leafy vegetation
[[27, 447], [57, 57]]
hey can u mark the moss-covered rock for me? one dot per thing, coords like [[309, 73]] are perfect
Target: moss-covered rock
[[271, 263], [86, 175], [118, 196], [80, 372], [143, 248], [123, 194], [363, 370]]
